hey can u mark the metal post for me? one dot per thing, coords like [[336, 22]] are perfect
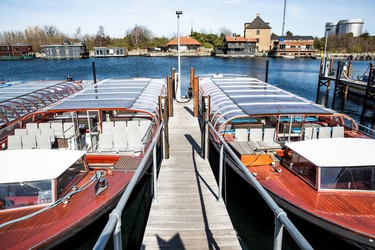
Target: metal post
[[117, 239], [196, 95], [93, 71], [173, 72], [178, 97], [325, 52], [278, 236], [266, 77], [154, 172], [170, 96], [221, 166]]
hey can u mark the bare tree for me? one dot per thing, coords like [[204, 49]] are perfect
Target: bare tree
[[223, 32], [77, 34], [52, 33], [139, 36], [100, 36]]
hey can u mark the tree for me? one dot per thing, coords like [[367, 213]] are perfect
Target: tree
[[139, 36], [289, 33], [77, 34], [100, 36], [223, 32]]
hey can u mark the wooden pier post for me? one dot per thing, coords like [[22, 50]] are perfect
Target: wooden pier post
[[266, 76], [170, 96], [192, 75], [173, 71], [93, 71], [163, 107], [196, 95], [370, 85]]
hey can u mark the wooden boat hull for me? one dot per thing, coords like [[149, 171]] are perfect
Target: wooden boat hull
[[276, 191], [54, 226]]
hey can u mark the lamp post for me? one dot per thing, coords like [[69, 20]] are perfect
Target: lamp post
[[178, 91], [325, 53]]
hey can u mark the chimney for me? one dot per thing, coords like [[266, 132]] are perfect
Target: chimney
[[258, 14]]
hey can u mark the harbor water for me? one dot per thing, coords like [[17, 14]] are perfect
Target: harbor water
[[299, 76]]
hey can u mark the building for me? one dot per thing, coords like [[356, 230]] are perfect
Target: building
[[261, 31], [16, 51], [186, 44], [237, 46], [110, 52], [342, 27], [65, 51], [293, 46]]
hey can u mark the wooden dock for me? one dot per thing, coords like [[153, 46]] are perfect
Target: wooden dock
[[187, 214]]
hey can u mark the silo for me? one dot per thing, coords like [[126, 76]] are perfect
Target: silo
[[350, 26], [330, 28]]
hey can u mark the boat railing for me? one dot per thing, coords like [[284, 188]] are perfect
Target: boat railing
[[367, 130], [281, 219], [113, 225]]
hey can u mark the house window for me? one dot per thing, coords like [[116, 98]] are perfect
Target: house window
[[258, 40], [258, 32]]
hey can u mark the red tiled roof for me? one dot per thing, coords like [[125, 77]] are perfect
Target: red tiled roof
[[184, 41], [236, 39]]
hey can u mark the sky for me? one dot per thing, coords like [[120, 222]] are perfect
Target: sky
[[306, 18]]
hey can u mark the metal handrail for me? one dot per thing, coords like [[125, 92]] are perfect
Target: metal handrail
[[114, 222], [281, 218]]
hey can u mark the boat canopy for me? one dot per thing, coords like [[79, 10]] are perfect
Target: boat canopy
[[245, 96], [33, 165], [24, 98], [336, 152], [139, 94]]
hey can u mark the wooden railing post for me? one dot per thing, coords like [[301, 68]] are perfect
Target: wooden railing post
[[170, 96]]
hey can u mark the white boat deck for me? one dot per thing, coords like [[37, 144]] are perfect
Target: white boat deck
[[187, 214]]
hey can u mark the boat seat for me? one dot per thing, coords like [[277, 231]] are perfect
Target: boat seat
[[268, 141], [256, 134], [120, 124], [49, 132], [20, 131], [58, 129], [43, 142], [32, 125], [107, 127], [120, 142], [311, 133], [14, 142], [324, 132], [105, 142], [45, 125], [33, 131], [338, 132], [132, 126], [241, 134], [135, 142], [144, 128], [28, 142]]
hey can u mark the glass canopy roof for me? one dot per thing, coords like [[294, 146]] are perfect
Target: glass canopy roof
[[133, 94], [245, 96], [19, 100]]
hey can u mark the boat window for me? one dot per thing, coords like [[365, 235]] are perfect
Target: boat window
[[22, 194], [301, 166], [70, 177], [353, 178]]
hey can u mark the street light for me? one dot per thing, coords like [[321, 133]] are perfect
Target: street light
[[325, 53], [178, 92]]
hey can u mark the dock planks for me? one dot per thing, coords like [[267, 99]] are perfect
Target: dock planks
[[187, 214]]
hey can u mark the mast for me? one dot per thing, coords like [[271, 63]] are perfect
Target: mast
[[282, 32]]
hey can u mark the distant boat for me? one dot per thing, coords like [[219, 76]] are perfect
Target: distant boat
[[20, 57], [289, 56], [70, 162], [312, 160]]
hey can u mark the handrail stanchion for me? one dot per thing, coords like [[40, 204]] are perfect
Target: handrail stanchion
[[117, 238], [221, 166], [278, 235], [154, 172]]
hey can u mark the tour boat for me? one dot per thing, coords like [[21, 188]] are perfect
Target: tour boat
[[312, 160], [69, 163]]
